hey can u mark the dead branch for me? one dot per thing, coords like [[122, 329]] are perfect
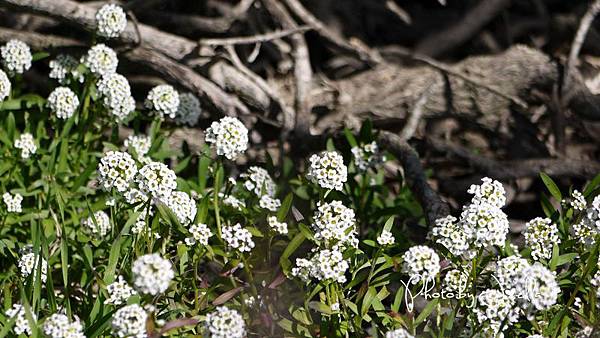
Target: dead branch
[[457, 34], [259, 38], [506, 170], [433, 206]]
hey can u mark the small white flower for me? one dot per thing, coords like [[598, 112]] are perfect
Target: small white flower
[[237, 238], [16, 57], [323, 265], [189, 110], [138, 145], [28, 264], [182, 205], [232, 201], [110, 21], [63, 102], [367, 156], [493, 308], [398, 333], [63, 66], [578, 201], [386, 238], [118, 292], [589, 225], [507, 271], [97, 226], [26, 144], [116, 93], [116, 170], [58, 325], [163, 100], [21, 323], [157, 180], [540, 235], [490, 191], [152, 274], [269, 203], [13, 202], [130, 321], [101, 60], [200, 234], [334, 224], [327, 170], [421, 263], [224, 323], [228, 136], [537, 287], [5, 86], [451, 235], [279, 227], [455, 281], [257, 180]]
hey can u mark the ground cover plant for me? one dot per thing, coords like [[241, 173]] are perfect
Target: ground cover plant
[[108, 230]]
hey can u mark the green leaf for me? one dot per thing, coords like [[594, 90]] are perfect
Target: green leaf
[[591, 186], [368, 300], [289, 250], [388, 224], [285, 207], [39, 56], [427, 311], [350, 137], [552, 187]]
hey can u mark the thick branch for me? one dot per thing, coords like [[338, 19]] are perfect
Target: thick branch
[[433, 206]]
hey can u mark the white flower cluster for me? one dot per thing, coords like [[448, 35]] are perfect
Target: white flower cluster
[[589, 226], [538, 287], [455, 281], [232, 201], [189, 110], [489, 191], [596, 280], [28, 264], [5, 86], [482, 223], [98, 225], [228, 136], [157, 180], [130, 321], [540, 235], [507, 271], [58, 325], [577, 201], [237, 238], [269, 203], [257, 180], [182, 205], [493, 308], [21, 323], [110, 21], [224, 323], [116, 93], [118, 292], [385, 238], [367, 156], [27, 145], [398, 333], [327, 170], [279, 227], [13, 202], [152, 274], [101, 60], [200, 234], [420, 263], [334, 225], [63, 102], [163, 100], [138, 145], [63, 66], [324, 265], [116, 171], [16, 57]]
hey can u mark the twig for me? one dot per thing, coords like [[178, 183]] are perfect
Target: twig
[[260, 82], [412, 122], [433, 206], [399, 11], [363, 53], [255, 38], [584, 26], [455, 35]]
